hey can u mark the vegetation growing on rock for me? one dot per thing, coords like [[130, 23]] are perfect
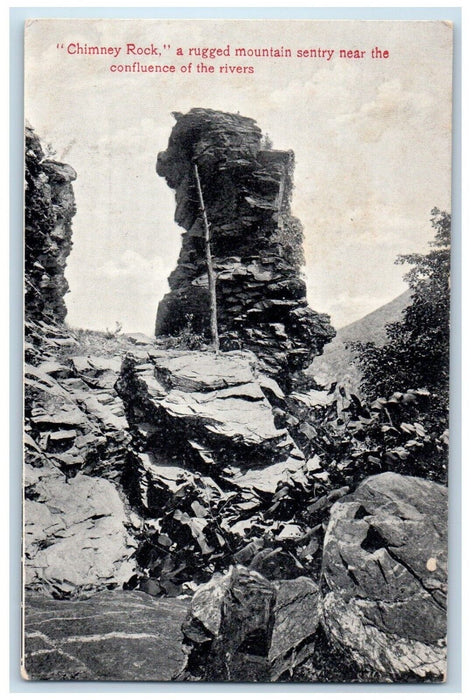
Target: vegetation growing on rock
[[416, 354]]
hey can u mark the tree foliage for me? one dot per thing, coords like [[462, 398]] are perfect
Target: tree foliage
[[416, 353]]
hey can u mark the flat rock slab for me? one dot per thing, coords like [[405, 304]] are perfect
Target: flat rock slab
[[203, 371], [113, 636], [267, 479], [239, 413], [140, 338]]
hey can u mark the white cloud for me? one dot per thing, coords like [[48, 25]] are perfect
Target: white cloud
[[131, 264]]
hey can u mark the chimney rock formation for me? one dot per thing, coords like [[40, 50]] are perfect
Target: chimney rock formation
[[256, 243]]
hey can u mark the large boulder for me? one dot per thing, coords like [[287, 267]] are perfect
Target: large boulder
[[241, 627], [233, 612], [384, 577], [113, 636]]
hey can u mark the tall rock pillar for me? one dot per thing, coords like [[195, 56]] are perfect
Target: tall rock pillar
[[256, 243]]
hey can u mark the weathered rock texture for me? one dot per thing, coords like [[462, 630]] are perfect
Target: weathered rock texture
[[177, 468], [295, 623], [78, 530], [76, 539], [384, 577], [243, 627], [379, 613], [256, 242], [117, 635], [49, 208], [234, 613], [206, 410]]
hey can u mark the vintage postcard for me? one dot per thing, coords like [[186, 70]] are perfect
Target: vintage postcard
[[237, 254]]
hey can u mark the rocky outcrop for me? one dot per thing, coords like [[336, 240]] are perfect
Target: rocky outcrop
[[79, 530], [384, 577], [205, 474], [207, 410], [210, 471], [175, 471], [73, 418], [256, 243], [49, 209], [113, 636], [379, 612]]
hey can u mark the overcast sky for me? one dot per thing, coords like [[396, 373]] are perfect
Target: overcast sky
[[371, 137]]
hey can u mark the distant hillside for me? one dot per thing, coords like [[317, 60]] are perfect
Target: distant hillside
[[337, 362]]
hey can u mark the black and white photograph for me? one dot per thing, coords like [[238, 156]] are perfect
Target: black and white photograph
[[237, 242]]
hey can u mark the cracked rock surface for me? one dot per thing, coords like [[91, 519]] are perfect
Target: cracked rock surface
[[384, 576], [174, 472], [296, 619], [78, 526], [229, 627], [75, 534], [241, 626]]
